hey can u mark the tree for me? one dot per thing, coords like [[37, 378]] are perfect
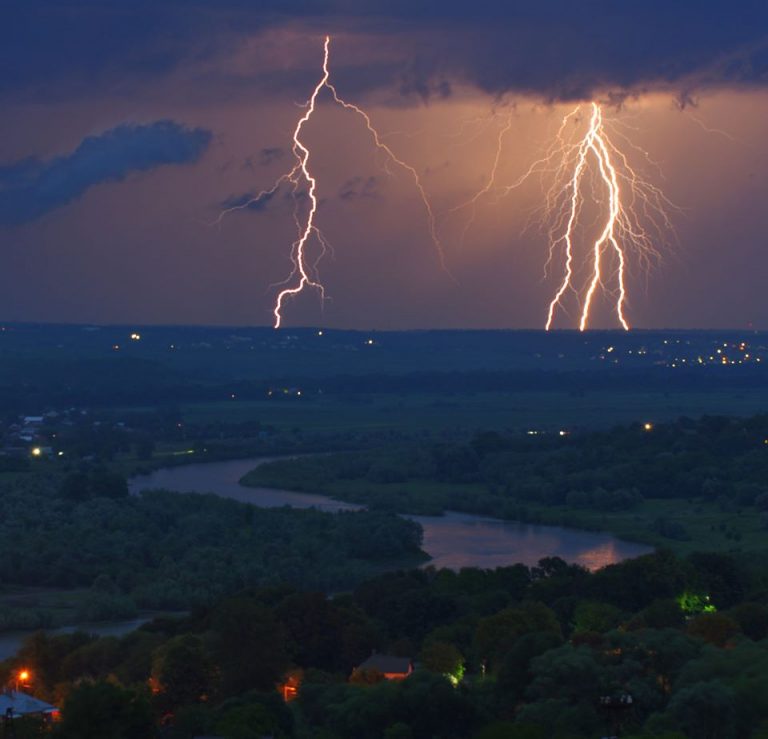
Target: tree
[[249, 645], [75, 486], [495, 635], [515, 673], [661, 614], [752, 619], [444, 659], [704, 710], [596, 616], [106, 484], [184, 672], [715, 628], [105, 711], [249, 721]]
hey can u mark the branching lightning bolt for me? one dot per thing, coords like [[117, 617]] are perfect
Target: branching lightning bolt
[[626, 199], [300, 176]]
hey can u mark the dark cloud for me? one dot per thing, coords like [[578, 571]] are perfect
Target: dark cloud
[[556, 49], [31, 187], [249, 201], [265, 157], [270, 154], [359, 187]]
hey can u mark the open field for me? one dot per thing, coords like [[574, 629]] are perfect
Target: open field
[[420, 412]]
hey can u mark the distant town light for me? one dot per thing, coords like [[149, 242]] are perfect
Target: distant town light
[[37, 451], [369, 342], [564, 432], [319, 333], [135, 337], [647, 426]]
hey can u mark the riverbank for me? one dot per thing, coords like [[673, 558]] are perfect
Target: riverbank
[[662, 517], [455, 540]]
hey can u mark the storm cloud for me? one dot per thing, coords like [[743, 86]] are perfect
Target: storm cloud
[[554, 49], [30, 187]]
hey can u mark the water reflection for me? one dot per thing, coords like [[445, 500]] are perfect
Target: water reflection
[[454, 540], [458, 540]]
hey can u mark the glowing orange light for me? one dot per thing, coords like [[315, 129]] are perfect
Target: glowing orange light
[[647, 426], [300, 174], [24, 676], [629, 201]]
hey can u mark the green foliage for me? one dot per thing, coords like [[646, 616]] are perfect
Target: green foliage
[[171, 551], [694, 603], [496, 635], [250, 646], [444, 659], [105, 711], [248, 721], [705, 710], [715, 628], [95, 483], [184, 672], [217, 670], [689, 484], [596, 616], [752, 619], [428, 704]]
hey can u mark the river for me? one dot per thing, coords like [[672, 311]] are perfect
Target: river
[[10, 641], [453, 540]]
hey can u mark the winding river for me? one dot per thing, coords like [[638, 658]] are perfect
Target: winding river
[[453, 540]]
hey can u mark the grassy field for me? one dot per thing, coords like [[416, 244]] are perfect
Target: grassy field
[[420, 412], [62, 603], [708, 527]]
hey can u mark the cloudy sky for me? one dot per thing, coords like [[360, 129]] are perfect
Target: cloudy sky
[[128, 127]]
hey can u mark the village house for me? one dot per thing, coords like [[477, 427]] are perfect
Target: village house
[[392, 668]]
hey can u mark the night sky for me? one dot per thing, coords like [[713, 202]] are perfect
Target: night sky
[[128, 125]]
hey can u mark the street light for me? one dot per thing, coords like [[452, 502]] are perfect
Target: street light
[[22, 678]]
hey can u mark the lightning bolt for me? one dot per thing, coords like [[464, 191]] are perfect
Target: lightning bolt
[[300, 177], [625, 199]]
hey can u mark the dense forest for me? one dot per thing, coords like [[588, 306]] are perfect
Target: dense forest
[[712, 461], [163, 550], [656, 646], [660, 646]]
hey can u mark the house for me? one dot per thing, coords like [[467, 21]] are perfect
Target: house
[[289, 686], [393, 668], [14, 703]]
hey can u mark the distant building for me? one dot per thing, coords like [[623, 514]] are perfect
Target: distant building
[[14, 704], [393, 668], [289, 687]]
